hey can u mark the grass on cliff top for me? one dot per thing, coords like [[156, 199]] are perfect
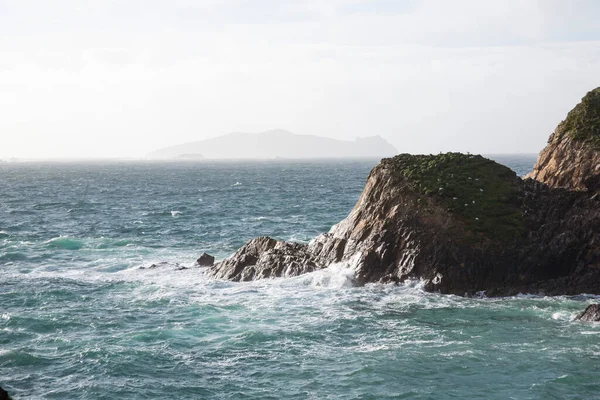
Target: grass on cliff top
[[583, 121], [484, 193]]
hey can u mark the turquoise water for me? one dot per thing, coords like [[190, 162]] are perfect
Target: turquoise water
[[79, 318]]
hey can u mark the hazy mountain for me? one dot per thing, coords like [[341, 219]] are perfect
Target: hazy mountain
[[277, 144]]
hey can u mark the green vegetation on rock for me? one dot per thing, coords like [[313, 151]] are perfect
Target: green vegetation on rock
[[583, 121], [484, 193]]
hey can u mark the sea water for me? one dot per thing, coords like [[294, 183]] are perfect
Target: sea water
[[83, 315]]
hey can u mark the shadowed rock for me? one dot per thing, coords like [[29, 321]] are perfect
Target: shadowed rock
[[205, 260], [591, 313], [4, 395]]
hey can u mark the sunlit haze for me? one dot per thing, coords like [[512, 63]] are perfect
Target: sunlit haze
[[100, 78]]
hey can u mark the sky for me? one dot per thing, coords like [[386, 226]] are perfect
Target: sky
[[120, 78]]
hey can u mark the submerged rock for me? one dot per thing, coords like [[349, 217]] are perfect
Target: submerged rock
[[205, 260], [591, 314], [462, 223], [165, 264]]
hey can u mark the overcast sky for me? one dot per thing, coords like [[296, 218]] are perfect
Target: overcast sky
[[120, 78]]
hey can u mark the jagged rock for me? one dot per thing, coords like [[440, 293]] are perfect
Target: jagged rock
[[264, 257], [571, 160], [164, 264], [486, 230], [4, 395], [205, 260], [591, 314], [461, 223]]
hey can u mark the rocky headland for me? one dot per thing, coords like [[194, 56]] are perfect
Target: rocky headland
[[571, 158], [462, 223]]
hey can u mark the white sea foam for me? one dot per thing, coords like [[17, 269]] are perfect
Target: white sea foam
[[298, 238], [337, 275], [237, 184], [562, 316]]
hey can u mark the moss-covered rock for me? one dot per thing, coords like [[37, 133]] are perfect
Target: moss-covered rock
[[571, 160], [485, 194], [462, 223], [583, 122]]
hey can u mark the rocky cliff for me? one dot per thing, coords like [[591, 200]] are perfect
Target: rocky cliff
[[571, 160], [459, 222]]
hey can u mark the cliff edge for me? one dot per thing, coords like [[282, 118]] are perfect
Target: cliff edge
[[571, 160]]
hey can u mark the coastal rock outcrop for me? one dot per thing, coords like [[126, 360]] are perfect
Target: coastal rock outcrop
[[459, 222], [591, 314], [205, 260], [4, 395], [571, 160], [264, 257]]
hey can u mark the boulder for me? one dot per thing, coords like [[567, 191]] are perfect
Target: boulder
[[591, 314], [4, 395], [264, 257], [205, 260]]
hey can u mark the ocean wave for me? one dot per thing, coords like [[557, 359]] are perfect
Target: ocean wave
[[105, 243], [300, 238], [9, 257], [563, 316], [22, 212], [66, 243], [169, 213], [263, 218], [102, 243]]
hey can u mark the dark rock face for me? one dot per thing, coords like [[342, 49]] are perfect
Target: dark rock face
[[591, 314], [205, 260], [461, 223], [4, 395]]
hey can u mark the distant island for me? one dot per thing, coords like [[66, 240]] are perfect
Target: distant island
[[277, 144]]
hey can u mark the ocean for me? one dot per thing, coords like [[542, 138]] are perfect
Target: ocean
[[95, 302]]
